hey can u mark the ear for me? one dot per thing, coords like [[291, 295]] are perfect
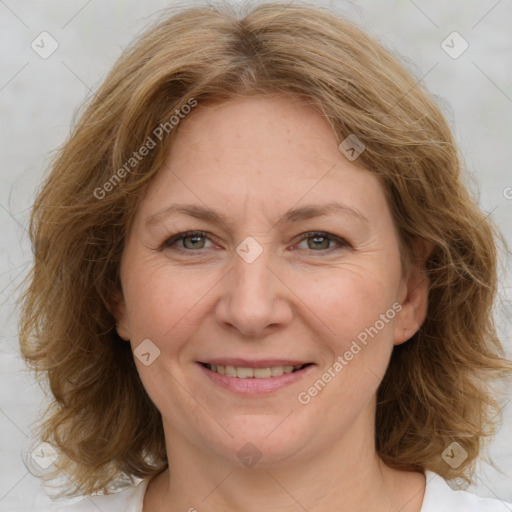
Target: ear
[[414, 295], [118, 307]]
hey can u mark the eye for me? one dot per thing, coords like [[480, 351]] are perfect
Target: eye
[[188, 241], [322, 241], [193, 241]]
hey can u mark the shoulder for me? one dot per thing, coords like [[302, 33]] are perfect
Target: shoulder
[[440, 497], [128, 500]]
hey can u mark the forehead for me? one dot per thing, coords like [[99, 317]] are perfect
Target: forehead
[[267, 153]]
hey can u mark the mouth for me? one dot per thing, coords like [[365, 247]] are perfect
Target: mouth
[[244, 372], [254, 378]]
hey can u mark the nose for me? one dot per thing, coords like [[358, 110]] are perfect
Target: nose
[[255, 300]]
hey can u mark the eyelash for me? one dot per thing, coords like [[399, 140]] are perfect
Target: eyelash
[[171, 241]]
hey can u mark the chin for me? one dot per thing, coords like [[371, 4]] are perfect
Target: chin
[[265, 440]]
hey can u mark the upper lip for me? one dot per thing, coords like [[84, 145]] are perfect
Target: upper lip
[[253, 363]]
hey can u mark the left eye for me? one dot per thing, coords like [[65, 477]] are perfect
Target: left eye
[[320, 240]]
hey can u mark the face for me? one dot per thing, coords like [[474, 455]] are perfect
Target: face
[[274, 320]]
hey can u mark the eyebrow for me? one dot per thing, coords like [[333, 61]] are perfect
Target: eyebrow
[[291, 216]]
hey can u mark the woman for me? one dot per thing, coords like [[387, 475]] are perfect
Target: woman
[[259, 280]]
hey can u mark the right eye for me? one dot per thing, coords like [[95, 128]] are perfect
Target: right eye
[[188, 241]]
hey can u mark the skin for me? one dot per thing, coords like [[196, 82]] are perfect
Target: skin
[[252, 159]]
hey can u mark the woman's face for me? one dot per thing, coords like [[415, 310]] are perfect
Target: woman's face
[[298, 264]]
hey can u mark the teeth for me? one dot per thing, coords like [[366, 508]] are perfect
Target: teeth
[[262, 373], [244, 373], [249, 373], [275, 371]]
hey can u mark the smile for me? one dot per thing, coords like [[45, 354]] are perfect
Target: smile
[[263, 378], [253, 373]]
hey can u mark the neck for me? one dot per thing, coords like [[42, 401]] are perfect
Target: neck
[[348, 477]]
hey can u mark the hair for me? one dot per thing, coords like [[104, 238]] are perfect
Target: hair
[[437, 388]]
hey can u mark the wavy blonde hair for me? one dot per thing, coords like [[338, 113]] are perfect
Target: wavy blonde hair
[[437, 387]]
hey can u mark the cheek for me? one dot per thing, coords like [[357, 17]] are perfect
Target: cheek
[[355, 311], [160, 300], [350, 301]]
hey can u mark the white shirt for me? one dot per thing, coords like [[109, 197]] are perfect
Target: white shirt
[[439, 497]]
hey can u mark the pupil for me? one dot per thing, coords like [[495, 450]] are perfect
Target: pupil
[[320, 238], [195, 238]]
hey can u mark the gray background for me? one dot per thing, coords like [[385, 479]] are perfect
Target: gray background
[[39, 96]]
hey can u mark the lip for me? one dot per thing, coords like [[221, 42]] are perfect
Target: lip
[[252, 386]]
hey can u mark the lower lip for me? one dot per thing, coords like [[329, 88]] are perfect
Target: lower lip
[[253, 386]]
